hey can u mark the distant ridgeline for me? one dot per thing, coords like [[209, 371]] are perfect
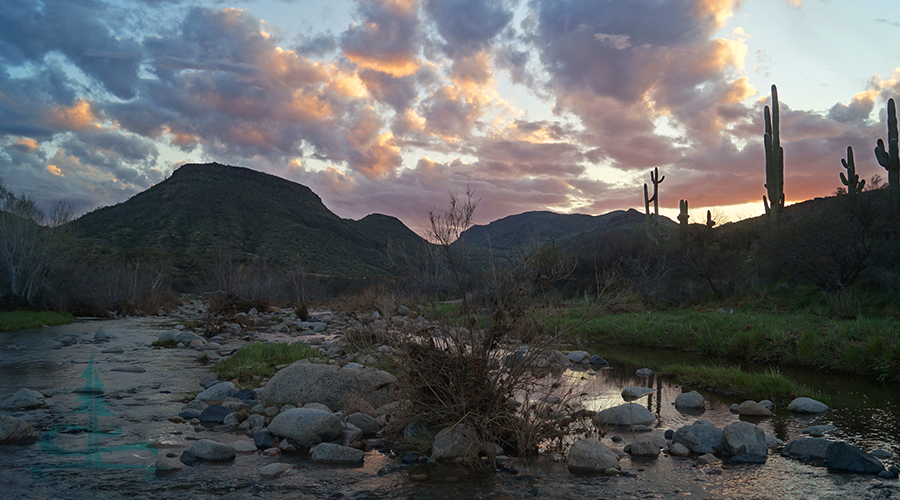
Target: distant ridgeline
[[203, 209]]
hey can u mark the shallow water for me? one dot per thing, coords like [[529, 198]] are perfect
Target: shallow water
[[105, 445]]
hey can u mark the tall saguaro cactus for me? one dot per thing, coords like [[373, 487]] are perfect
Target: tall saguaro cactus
[[652, 220], [851, 180], [774, 163], [683, 221], [890, 158]]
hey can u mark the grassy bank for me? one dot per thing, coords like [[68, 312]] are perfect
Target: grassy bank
[[256, 361], [21, 320], [866, 345]]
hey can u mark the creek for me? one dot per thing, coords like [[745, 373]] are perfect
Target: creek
[[127, 426]]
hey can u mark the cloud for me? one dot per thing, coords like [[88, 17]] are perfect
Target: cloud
[[387, 39], [468, 26]]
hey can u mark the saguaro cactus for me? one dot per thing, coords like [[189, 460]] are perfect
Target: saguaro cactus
[[851, 180], [652, 220], [890, 158], [709, 222], [774, 163], [683, 221]]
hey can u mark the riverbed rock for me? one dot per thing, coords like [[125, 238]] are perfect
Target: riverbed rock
[[772, 442], [307, 427], [272, 471], [597, 361], [187, 337], [632, 393], [647, 447], [16, 431], [753, 409], [592, 455], [701, 437], [807, 450], [455, 441], [679, 450], [329, 453], [207, 450], [844, 457], [819, 430], [242, 446], [624, 415], [214, 414], [102, 335], [807, 406], [368, 425], [217, 392], [644, 372], [307, 382], [263, 439], [744, 438], [691, 400], [23, 399], [578, 357], [252, 422]]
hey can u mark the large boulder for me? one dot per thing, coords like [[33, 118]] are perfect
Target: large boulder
[[808, 450], [217, 392], [307, 427], [336, 454], [691, 400], [807, 406], [701, 437], [744, 438], [592, 455], [23, 399], [305, 382], [624, 415], [207, 450], [843, 457], [16, 431], [455, 441]]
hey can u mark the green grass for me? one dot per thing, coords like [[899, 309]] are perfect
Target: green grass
[[258, 360], [770, 384], [21, 320], [866, 345]]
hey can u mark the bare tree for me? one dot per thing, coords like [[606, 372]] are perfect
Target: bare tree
[[30, 242]]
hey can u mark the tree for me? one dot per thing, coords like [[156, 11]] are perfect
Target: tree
[[30, 242]]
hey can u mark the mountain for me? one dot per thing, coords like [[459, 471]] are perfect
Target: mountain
[[511, 236], [203, 208]]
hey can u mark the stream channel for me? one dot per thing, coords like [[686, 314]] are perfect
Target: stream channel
[[106, 446]]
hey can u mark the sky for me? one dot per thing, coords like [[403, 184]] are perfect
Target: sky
[[387, 106]]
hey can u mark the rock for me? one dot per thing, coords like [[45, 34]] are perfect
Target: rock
[[765, 403], [886, 474], [417, 430], [102, 336], [646, 448], [168, 462], [211, 346], [706, 459], [744, 438], [455, 441], [592, 455], [844, 457], [881, 454], [597, 361], [691, 400], [330, 453], [701, 437], [679, 450], [807, 406], [753, 409], [214, 414], [810, 449], [355, 404], [167, 335], [578, 357], [317, 406], [253, 421], [23, 399], [235, 404], [328, 384], [16, 431], [632, 393], [644, 372], [403, 311], [206, 450], [217, 392], [246, 396], [368, 425], [318, 327], [243, 446], [819, 430], [231, 420], [263, 439], [176, 419], [747, 459], [773, 442], [627, 414], [272, 471], [187, 337], [352, 434], [307, 427], [113, 350]]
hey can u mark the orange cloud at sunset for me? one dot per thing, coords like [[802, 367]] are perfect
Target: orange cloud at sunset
[[79, 116]]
